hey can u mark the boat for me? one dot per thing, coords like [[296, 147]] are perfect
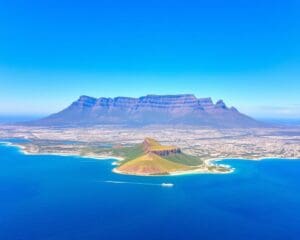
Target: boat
[[167, 184]]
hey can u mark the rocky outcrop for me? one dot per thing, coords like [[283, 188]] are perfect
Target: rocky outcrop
[[183, 109], [152, 146]]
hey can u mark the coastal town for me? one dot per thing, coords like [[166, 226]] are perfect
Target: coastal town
[[207, 144]]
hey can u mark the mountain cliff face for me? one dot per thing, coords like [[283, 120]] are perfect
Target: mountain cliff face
[[183, 109], [152, 146]]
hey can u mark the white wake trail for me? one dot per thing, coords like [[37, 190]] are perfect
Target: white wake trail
[[140, 183]]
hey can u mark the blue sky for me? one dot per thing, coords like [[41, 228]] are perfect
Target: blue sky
[[244, 52]]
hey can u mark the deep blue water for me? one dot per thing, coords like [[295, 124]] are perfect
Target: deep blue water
[[55, 197]]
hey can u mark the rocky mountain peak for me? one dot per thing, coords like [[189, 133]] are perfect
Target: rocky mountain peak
[[221, 104]]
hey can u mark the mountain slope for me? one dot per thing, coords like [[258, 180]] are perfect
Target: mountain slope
[[183, 109], [157, 159], [151, 164]]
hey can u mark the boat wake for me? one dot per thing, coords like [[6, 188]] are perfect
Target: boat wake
[[141, 183]]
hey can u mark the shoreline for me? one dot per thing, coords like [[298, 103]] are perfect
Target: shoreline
[[23, 150], [209, 162], [177, 173]]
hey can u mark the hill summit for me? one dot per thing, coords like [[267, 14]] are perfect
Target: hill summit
[[183, 109], [152, 146]]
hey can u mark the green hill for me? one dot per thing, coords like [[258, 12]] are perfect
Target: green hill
[[153, 158]]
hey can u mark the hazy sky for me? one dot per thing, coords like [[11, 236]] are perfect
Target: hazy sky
[[244, 52]]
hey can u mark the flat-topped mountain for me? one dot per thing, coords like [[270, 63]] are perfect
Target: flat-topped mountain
[[183, 109]]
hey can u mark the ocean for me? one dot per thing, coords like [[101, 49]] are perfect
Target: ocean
[[58, 197]]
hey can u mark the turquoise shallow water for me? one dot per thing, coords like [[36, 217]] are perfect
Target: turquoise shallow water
[[56, 197]]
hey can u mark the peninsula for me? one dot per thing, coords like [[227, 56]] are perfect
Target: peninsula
[[152, 158]]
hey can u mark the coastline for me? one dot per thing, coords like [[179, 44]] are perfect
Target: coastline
[[178, 173], [23, 150], [209, 162]]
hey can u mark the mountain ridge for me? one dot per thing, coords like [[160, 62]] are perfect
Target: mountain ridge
[[185, 109]]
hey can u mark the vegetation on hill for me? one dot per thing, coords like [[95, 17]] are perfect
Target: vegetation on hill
[[185, 159], [152, 158], [156, 159], [126, 153]]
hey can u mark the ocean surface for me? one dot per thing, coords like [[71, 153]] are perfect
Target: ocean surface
[[56, 197]]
